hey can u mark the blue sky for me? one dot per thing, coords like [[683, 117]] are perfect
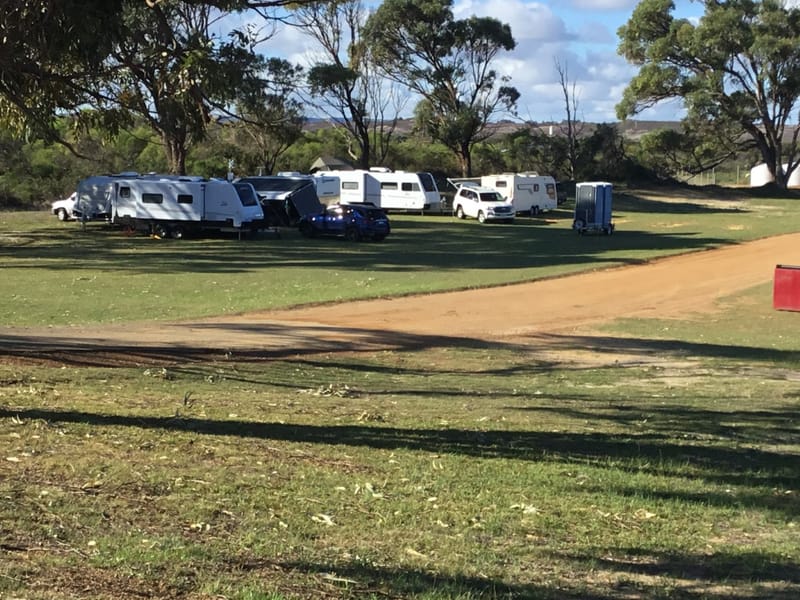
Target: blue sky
[[581, 34]]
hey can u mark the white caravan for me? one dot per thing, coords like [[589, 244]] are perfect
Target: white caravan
[[172, 205], [390, 190], [530, 193]]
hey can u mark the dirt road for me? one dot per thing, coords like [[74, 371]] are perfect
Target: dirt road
[[676, 286]]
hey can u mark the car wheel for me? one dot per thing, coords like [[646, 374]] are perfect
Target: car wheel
[[481, 217], [460, 212], [62, 214], [352, 234], [306, 229]]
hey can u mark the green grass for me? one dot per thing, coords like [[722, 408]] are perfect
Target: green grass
[[448, 472], [57, 273], [654, 459]]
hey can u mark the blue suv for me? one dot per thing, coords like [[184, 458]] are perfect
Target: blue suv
[[353, 221]]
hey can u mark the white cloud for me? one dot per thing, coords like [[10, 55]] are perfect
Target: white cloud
[[595, 32], [605, 5], [528, 20]]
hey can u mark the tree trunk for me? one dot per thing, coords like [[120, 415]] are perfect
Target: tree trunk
[[175, 152], [465, 159]]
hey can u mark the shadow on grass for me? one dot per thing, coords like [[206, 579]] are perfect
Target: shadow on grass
[[653, 347], [441, 244], [275, 340], [750, 576], [372, 581], [719, 574], [735, 465]]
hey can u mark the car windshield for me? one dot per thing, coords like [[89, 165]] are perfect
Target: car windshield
[[491, 197]]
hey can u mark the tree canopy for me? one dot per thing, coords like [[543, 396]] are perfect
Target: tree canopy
[[448, 63], [54, 55], [738, 69]]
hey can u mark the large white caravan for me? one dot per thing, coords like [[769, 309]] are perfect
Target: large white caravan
[[172, 205], [530, 193], [390, 190]]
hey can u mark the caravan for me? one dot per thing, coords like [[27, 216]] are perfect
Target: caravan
[[389, 190], [173, 205], [530, 193]]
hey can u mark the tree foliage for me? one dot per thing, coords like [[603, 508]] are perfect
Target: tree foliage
[[448, 63], [168, 69], [271, 120], [344, 82], [55, 55], [737, 70]]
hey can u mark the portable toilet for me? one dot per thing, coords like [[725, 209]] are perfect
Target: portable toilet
[[593, 208]]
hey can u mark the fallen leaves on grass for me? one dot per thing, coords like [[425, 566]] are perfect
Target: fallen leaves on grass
[[323, 518]]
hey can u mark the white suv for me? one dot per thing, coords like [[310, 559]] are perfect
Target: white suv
[[65, 209], [481, 203]]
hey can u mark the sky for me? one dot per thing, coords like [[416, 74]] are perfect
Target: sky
[[580, 34]]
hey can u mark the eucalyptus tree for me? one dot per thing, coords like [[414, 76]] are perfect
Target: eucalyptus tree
[[55, 53], [737, 71], [448, 63], [270, 119], [344, 83], [169, 69]]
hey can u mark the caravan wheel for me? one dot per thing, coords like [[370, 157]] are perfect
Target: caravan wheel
[[178, 232], [160, 230], [534, 211]]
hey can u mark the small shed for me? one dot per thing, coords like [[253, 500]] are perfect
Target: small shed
[[329, 163], [593, 207]]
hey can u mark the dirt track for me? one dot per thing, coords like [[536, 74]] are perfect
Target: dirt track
[[671, 287]]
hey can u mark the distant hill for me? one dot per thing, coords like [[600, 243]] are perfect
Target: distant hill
[[631, 129]]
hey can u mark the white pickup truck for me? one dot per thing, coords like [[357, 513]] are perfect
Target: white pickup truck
[[482, 203]]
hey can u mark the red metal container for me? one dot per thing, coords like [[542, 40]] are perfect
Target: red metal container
[[786, 290]]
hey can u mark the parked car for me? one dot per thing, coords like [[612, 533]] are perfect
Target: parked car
[[483, 204], [353, 221], [65, 209], [71, 208]]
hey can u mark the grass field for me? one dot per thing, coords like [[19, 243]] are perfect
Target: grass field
[[56, 273], [448, 472]]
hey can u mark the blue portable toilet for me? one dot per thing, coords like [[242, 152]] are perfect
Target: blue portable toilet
[[593, 208]]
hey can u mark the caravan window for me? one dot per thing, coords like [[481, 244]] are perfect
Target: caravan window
[[410, 187], [428, 184], [349, 185], [125, 192], [185, 199], [247, 193], [500, 183], [149, 198], [388, 185], [535, 187]]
